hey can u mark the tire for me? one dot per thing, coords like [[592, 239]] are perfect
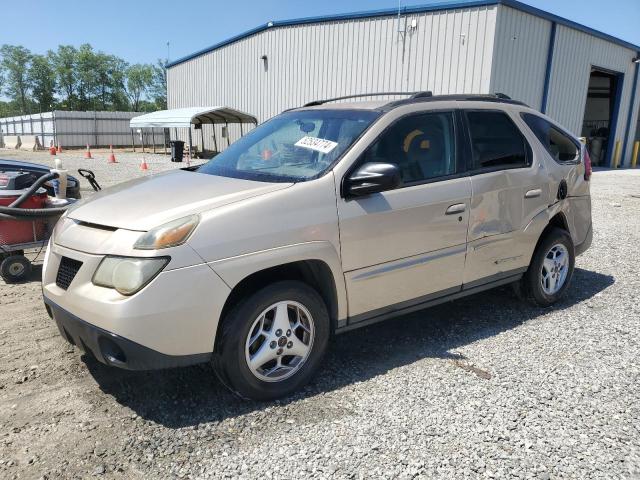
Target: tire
[[255, 318], [15, 268], [540, 285]]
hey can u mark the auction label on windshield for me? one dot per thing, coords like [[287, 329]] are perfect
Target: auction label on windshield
[[317, 144]]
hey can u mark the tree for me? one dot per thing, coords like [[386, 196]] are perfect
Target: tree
[[43, 82], [139, 78], [158, 88], [15, 62], [64, 61]]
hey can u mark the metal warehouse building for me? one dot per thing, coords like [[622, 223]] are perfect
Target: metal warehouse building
[[585, 79]]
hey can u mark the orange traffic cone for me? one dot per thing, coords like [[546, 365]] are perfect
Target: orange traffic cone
[[112, 157], [59, 149], [143, 165], [87, 154]]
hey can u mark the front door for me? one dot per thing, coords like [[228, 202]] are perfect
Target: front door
[[406, 245]]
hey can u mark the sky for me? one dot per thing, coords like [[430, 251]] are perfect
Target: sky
[[138, 30]]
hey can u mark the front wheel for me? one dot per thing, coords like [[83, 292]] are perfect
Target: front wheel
[[551, 269], [273, 341]]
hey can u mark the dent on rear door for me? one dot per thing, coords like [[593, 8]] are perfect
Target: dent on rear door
[[503, 203]]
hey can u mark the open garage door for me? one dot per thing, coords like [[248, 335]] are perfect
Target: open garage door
[[601, 110]]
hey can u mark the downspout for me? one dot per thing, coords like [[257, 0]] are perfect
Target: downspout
[[547, 74]]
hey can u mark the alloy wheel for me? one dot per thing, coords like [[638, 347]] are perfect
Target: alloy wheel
[[279, 341], [555, 268]]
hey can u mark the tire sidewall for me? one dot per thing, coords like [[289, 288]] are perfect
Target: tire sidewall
[[231, 355], [556, 236]]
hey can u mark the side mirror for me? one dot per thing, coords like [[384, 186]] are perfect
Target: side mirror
[[372, 178]]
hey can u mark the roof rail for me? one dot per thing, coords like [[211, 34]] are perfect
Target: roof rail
[[360, 95], [483, 97]]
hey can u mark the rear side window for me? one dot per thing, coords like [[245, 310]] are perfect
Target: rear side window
[[560, 146], [496, 142]]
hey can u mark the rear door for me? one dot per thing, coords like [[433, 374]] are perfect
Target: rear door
[[509, 187], [401, 246]]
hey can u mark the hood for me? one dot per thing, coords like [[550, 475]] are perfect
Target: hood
[[147, 202]]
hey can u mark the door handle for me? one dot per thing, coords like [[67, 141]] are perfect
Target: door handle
[[457, 208], [533, 193]]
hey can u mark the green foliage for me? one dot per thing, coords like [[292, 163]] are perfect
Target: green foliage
[[43, 82], [15, 65], [82, 78], [139, 78]]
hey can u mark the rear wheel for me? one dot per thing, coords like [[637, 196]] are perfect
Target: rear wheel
[[551, 269], [15, 268], [272, 342]]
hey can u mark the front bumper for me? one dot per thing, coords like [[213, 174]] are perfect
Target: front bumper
[[112, 349], [176, 314]]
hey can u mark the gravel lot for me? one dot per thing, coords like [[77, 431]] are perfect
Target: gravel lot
[[483, 387]]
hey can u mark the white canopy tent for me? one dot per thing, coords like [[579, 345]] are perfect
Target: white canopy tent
[[198, 116]]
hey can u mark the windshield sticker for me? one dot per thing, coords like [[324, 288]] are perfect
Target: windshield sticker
[[318, 144]]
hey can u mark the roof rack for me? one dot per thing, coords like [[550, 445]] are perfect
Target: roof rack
[[377, 94], [482, 97]]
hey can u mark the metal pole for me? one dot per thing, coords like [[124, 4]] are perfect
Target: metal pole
[[95, 128], [42, 130], [133, 140], [226, 124], [202, 136], [153, 139], [142, 139], [241, 130], [190, 144], [215, 141], [164, 140], [55, 128], [634, 159]]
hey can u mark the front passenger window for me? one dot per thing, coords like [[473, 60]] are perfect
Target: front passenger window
[[422, 146]]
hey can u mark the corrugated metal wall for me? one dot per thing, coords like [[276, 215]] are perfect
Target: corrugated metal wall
[[575, 53], [519, 68], [467, 50], [77, 129], [446, 52], [38, 124], [520, 55]]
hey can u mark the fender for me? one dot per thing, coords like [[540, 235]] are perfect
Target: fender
[[233, 270]]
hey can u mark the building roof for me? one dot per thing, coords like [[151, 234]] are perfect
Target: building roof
[[446, 5], [184, 117]]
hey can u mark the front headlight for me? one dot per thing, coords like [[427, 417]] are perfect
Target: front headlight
[[170, 234], [126, 274]]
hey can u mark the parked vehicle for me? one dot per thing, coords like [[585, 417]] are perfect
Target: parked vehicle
[[321, 220]]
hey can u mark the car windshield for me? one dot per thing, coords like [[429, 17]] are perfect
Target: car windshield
[[294, 146]]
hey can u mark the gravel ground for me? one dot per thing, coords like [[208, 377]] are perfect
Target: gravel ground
[[483, 387]]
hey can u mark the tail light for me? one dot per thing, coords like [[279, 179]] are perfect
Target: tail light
[[587, 165]]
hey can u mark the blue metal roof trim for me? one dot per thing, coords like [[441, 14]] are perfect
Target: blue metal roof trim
[[447, 5]]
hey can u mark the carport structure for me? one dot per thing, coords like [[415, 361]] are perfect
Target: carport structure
[[196, 116]]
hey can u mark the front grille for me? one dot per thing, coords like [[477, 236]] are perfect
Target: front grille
[[67, 271]]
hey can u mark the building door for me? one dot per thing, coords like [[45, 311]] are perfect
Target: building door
[[600, 114]]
